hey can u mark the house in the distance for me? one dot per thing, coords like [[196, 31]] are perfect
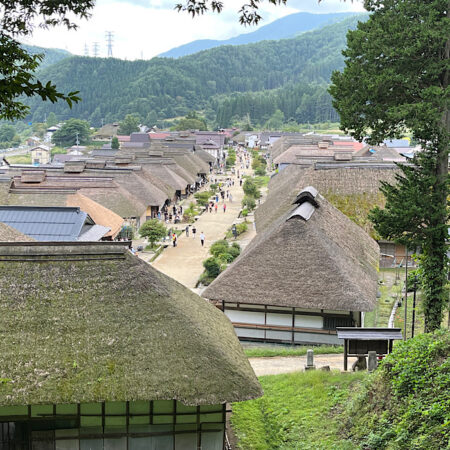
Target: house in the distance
[[40, 155], [310, 271]]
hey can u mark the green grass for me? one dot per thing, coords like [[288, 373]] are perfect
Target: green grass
[[19, 159], [261, 181], [298, 411], [259, 352]]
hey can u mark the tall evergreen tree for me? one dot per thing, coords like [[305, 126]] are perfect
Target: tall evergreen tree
[[396, 78]]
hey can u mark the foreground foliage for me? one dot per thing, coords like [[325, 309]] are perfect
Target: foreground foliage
[[406, 403], [293, 412], [396, 78]]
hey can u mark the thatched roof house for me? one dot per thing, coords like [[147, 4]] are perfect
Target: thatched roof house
[[312, 264], [98, 345]]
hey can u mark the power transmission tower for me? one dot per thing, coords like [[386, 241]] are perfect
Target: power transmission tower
[[95, 49], [109, 42], [86, 49]]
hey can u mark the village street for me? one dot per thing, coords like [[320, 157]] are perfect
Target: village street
[[287, 364], [184, 262]]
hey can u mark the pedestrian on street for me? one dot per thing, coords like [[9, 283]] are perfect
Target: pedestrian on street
[[194, 230], [240, 182], [224, 207], [187, 230], [217, 198], [202, 238], [174, 239], [215, 207], [230, 198]]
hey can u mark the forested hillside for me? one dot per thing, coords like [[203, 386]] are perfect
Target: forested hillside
[[284, 28], [51, 55], [278, 74]]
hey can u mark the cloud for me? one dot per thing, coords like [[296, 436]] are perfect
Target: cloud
[[146, 28]]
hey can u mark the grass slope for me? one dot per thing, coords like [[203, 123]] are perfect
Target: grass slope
[[405, 404], [297, 411]]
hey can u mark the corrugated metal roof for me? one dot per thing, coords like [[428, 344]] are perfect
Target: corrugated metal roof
[[368, 334], [46, 223]]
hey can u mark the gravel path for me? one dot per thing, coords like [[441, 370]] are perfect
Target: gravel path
[[286, 364], [184, 263]]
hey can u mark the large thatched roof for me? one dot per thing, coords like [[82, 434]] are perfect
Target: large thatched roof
[[91, 322], [285, 185], [324, 261]]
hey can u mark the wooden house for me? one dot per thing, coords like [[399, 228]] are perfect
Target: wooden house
[[40, 155], [310, 271], [102, 352]]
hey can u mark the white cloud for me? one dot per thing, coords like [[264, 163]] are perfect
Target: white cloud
[[150, 27]]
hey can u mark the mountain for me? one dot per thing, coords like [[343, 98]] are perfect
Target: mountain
[[286, 27], [51, 55], [254, 79]]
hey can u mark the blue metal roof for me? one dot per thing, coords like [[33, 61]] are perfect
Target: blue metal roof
[[46, 223]]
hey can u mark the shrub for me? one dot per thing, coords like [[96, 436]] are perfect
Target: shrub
[[260, 171], [241, 228], [234, 251], [244, 212], [153, 230], [189, 213], [212, 267], [203, 197], [250, 188], [213, 187], [248, 203], [219, 247]]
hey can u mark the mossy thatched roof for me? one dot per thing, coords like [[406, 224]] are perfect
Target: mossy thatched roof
[[91, 322], [324, 261]]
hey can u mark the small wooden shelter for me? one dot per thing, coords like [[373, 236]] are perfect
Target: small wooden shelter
[[309, 272], [101, 351], [360, 341]]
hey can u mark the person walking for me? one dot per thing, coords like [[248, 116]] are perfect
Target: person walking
[[174, 239], [187, 230], [224, 207], [215, 207], [202, 238], [194, 230], [240, 182], [230, 198]]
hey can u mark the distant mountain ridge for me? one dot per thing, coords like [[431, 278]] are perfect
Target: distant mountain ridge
[[284, 28], [51, 55], [223, 83]]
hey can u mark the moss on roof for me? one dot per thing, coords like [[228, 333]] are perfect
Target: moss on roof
[[91, 322]]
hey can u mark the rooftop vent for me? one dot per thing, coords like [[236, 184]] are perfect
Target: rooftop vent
[[307, 203], [32, 176]]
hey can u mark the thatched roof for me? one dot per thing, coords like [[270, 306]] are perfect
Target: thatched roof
[[310, 257], [10, 234], [91, 322], [285, 185], [204, 155], [99, 214]]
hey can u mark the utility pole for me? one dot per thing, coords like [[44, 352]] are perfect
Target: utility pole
[[86, 49], [95, 48], [109, 42]]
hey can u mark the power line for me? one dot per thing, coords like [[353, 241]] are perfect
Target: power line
[[109, 42], [95, 48]]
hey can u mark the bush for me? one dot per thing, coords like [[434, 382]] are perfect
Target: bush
[[189, 213], [250, 188], [248, 203], [212, 267], [153, 230], [244, 212], [219, 247], [260, 171], [214, 187], [235, 251], [405, 403], [203, 197], [241, 228]]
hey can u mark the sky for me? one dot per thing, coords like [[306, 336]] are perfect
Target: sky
[[145, 28]]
